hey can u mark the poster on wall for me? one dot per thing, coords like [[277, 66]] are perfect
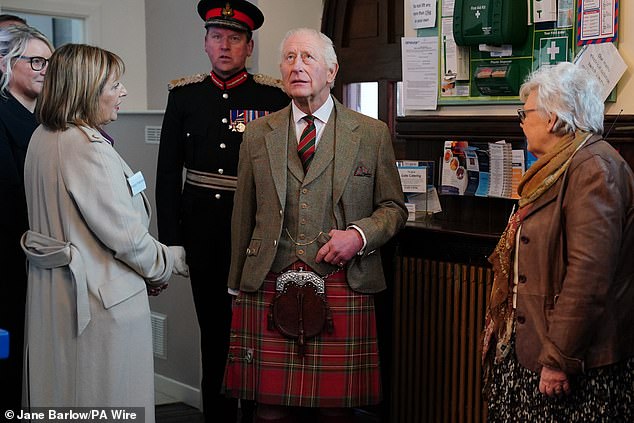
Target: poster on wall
[[597, 21]]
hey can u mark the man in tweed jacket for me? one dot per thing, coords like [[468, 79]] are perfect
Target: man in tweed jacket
[[330, 218]]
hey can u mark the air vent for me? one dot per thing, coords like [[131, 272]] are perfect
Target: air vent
[[159, 335], [152, 134]]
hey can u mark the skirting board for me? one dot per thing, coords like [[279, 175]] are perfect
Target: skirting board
[[177, 390]]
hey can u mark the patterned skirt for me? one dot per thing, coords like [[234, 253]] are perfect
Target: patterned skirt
[[339, 369], [603, 394]]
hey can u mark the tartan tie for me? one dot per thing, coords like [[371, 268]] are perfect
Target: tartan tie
[[306, 146]]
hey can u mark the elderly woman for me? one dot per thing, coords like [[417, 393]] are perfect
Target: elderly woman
[[24, 53], [558, 343], [90, 255]]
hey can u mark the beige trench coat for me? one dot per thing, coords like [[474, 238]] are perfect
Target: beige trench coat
[[89, 340]]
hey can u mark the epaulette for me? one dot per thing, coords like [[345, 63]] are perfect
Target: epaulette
[[186, 80], [268, 80]]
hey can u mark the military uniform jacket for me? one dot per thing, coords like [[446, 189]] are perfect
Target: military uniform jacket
[[202, 131]]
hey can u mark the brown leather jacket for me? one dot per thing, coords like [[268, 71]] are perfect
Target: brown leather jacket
[[575, 303]]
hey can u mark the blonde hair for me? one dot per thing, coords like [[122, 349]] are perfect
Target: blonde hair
[[13, 43], [75, 79]]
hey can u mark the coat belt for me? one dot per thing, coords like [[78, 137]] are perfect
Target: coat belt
[[49, 253], [211, 180]]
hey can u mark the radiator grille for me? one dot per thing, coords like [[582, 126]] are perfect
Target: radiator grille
[[439, 314], [159, 334]]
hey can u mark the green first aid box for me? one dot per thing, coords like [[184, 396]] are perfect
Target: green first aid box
[[493, 22]]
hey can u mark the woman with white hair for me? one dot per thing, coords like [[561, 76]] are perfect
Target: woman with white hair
[[558, 340], [24, 54]]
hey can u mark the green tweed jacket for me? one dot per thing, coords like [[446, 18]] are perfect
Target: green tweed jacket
[[365, 188]]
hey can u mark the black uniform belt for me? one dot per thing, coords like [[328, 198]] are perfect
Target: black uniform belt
[[211, 180]]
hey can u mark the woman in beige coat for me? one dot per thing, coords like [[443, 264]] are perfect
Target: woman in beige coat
[[90, 255]]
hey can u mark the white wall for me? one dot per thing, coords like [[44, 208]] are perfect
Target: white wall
[[116, 25]]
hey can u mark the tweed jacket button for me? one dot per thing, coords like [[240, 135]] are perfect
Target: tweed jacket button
[[304, 190], [300, 252], [304, 205]]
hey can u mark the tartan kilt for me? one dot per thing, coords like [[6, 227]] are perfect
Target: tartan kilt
[[340, 369]]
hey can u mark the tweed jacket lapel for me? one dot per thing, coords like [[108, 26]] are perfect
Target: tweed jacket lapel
[[347, 144], [277, 147], [342, 147]]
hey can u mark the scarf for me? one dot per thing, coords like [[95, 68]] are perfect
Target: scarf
[[500, 315]]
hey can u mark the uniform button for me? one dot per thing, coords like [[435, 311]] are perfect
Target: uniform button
[[223, 145], [304, 205], [521, 320], [221, 171], [188, 134], [304, 191], [300, 252], [225, 96], [224, 120], [522, 278], [217, 196], [524, 239], [302, 236], [302, 221]]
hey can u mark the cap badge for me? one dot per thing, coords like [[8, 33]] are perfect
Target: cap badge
[[227, 12]]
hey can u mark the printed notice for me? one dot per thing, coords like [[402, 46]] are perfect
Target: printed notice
[[420, 73], [604, 62], [423, 13]]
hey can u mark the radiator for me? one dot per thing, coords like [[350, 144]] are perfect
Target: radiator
[[438, 316]]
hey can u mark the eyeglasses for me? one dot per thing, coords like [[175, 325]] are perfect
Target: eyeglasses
[[37, 63], [521, 113]]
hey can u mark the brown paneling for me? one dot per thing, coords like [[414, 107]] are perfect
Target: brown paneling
[[367, 37], [362, 23]]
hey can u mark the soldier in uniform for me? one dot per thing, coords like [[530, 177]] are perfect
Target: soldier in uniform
[[202, 130]]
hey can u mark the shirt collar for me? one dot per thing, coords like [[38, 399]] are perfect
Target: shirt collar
[[323, 113]]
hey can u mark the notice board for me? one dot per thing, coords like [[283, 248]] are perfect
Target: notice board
[[492, 74]]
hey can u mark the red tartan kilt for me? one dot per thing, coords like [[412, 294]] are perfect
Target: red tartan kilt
[[338, 370]]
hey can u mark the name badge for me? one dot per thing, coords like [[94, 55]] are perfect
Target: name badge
[[137, 183]]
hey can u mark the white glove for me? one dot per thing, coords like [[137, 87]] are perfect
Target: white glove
[[180, 265]]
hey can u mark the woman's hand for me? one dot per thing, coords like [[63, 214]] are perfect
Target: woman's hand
[[553, 382], [180, 262]]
